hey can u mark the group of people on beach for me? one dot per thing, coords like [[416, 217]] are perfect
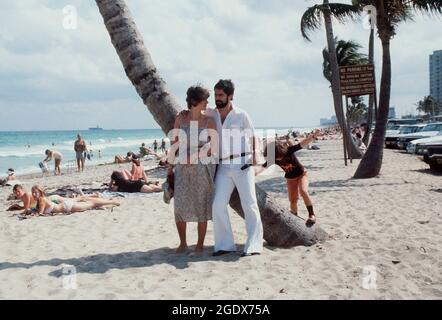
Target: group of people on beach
[[210, 168], [38, 203], [202, 172]]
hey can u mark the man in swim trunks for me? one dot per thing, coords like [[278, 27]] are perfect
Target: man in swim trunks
[[80, 149]]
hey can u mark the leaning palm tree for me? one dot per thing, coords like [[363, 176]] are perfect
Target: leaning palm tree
[[311, 20], [280, 227], [389, 14]]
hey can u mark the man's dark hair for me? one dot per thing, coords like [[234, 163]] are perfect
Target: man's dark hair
[[226, 85], [195, 95], [358, 135], [16, 187]]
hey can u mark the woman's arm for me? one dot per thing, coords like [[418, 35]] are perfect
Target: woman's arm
[[41, 206], [211, 148], [144, 175], [304, 143], [174, 145]]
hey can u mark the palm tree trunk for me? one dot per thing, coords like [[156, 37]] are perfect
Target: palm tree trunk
[[280, 227], [371, 164], [366, 138], [352, 149]]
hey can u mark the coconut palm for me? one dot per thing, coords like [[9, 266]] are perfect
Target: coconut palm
[[280, 227], [430, 106], [312, 20], [357, 111], [347, 54], [389, 14]]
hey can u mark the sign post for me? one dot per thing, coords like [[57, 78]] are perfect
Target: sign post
[[357, 80]]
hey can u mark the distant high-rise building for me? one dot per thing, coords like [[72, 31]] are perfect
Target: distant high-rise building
[[436, 75], [328, 122], [392, 113]]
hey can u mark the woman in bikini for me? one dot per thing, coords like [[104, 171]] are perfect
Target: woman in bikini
[[46, 206], [295, 174], [57, 156], [137, 172], [119, 182]]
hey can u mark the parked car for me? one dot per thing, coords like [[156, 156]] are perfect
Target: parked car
[[391, 140], [393, 122], [430, 130], [414, 146], [433, 155], [394, 129]]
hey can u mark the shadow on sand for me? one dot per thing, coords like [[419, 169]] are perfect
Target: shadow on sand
[[101, 263]]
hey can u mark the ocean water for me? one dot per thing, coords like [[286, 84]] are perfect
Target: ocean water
[[23, 150]]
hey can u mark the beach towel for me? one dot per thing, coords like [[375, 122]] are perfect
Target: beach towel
[[113, 194]]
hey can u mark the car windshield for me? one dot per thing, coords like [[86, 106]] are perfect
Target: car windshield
[[410, 129], [393, 126], [433, 127]]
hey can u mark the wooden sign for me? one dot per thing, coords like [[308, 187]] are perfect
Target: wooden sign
[[357, 80]]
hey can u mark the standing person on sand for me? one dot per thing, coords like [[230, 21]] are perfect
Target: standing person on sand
[[194, 171], [163, 146], [295, 173], [58, 157], [80, 151], [234, 123]]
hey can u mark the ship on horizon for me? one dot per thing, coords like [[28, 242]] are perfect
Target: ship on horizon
[[96, 128]]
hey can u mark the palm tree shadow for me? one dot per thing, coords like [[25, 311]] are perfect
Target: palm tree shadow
[[101, 263], [429, 171]]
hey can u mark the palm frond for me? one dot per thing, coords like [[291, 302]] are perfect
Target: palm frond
[[427, 6], [312, 18]]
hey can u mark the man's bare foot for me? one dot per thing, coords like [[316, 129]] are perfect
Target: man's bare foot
[[182, 248]]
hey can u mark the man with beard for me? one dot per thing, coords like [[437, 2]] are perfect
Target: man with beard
[[237, 148]]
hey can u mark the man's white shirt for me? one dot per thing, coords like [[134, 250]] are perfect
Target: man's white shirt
[[234, 134]]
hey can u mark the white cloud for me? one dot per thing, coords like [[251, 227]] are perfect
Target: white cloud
[[256, 43]]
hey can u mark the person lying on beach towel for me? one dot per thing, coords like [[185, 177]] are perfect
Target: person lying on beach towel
[[47, 207], [9, 178], [295, 173], [120, 159], [29, 203], [120, 183]]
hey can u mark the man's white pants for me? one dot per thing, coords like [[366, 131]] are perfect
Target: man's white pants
[[227, 178]]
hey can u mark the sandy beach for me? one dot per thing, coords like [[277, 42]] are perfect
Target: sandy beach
[[388, 228]]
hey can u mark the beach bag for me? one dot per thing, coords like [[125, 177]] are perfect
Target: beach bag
[[43, 166], [168, 188]]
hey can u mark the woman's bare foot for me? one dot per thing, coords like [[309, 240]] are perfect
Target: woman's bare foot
[[199, 249], [182, 248]]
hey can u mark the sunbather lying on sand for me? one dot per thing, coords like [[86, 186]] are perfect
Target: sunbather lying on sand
[[45, 206], [120, 159]]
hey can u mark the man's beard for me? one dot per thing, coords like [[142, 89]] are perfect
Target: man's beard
[[221, 104]]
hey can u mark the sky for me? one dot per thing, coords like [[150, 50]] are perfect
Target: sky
[[59, 70]]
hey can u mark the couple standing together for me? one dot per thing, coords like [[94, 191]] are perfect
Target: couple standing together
[[199, 193]]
